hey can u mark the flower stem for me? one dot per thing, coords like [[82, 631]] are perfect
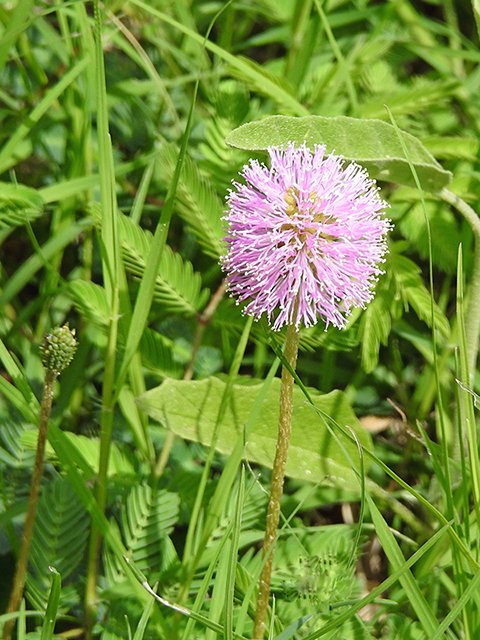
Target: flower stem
[[472, 316], [21, 569], [278, 475]]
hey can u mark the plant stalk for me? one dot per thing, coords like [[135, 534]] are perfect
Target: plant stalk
[[106, 430], [472, 315], [202, 321], [278, 475], [21, 569]]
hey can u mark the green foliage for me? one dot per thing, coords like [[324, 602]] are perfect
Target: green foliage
[[88, 164], [372, 143], [18, 205], [59, 541], [198, 204], [91, 301], [178, 286], [16, 461], [315, 454], [148, 518]]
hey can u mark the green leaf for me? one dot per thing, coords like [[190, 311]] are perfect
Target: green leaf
[[51, 248], [13, 453], [177, 285], [372, 143], [18, 203], [48, 625], [190, 409], [90, 299], [254, 73], [446, 233], [87, 450], [142, 625], [397, 561], [375, 327], [60, 539], [160, 354], [412, 290], [149, 517], [197, 202], [8, 154], [91, 302]]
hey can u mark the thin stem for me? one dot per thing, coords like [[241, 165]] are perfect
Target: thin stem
[[472, 315], [342, 63], [203, 321], [21, 569], [106, 429], [114, 282], [278, 475]]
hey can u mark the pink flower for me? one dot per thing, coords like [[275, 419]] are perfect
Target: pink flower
[[305, 237]]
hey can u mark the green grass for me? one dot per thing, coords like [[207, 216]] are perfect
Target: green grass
[[114, 170]]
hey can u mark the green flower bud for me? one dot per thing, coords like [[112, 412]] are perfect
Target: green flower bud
[[58, 348]]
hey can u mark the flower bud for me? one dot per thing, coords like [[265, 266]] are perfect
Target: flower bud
[[58, 348]]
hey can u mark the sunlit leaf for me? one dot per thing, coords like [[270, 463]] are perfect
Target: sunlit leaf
[[190, 409], [372, 143]]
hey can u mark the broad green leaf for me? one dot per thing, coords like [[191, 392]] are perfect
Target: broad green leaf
[[190, 409], [372, 143]]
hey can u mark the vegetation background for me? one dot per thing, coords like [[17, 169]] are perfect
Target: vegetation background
[[114, 170]]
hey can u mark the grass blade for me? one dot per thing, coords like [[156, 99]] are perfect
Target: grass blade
[[396, 559], [48, 626]]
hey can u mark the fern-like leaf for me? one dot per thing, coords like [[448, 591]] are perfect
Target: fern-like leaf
[[59, 540], [18, 204], [158, 353], [90, 299], [446, 234], [375, 327], [178, 287], [149, 517], [88, 452], [16, 462], [197, 202], [412, 290]]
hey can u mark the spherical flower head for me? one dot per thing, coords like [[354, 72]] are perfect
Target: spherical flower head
[[305, 237], [58, 348]]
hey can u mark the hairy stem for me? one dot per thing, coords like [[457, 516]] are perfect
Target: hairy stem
[[278, 475], [21, 569]]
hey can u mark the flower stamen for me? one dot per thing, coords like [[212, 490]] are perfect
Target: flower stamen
[[322, 244]]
